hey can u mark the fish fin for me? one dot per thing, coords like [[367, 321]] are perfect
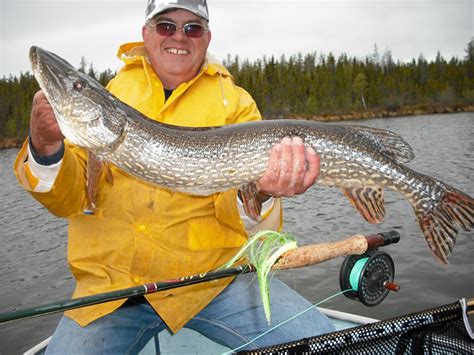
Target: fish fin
[[369, 201], [441, 225], [249, 197], [109, 177], [386, 142], [94, 172]]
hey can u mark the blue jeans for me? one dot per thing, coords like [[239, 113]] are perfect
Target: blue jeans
[[232, 319]]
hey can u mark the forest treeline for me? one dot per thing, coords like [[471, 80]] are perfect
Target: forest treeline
[[311, 85]]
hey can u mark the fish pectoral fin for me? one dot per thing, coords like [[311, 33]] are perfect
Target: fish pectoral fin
[[249, 197], [109, 178], [94, 171], [95, 168], [369, 201]]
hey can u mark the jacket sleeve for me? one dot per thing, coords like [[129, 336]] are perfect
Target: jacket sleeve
[[67, 196]]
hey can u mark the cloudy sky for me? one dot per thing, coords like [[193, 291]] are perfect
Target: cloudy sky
[[248, 28]]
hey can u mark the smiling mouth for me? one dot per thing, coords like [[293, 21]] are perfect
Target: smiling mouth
[[177, 51]]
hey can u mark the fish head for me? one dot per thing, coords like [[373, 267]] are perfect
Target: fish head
[[81, 105]]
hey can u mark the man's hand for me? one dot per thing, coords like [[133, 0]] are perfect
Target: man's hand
[[45, 135], [292, 169]]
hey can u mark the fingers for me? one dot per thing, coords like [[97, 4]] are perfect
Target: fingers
[[286, 166], [41, 104], [299, 165], [39, 97], [45, 134], [292, 169], [273, 169], [312, 172]]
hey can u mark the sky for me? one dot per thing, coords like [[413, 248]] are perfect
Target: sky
[[247, 28]]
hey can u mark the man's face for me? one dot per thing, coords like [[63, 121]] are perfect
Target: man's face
[[176, 58]]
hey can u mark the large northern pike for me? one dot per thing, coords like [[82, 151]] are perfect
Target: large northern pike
[[360, 160]]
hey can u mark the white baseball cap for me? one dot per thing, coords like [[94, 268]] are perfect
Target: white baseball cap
[[197, 7]]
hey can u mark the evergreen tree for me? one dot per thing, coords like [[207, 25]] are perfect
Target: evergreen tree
[[359, 86], [82, 65]]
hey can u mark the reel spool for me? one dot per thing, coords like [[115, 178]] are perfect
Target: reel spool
[[369, 275]]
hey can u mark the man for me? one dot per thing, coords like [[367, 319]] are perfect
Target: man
[[140, 233]]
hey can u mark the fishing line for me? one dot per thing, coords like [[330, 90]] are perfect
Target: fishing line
[[288, 320], [356, 273]]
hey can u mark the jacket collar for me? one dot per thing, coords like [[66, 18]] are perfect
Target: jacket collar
[[135, 52]]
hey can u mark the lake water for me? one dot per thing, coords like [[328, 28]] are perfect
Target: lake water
[[34, 269]]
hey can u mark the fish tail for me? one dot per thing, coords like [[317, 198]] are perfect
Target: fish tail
[[441, 223]]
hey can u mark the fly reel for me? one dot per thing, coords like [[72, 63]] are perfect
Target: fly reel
[[369, 277]]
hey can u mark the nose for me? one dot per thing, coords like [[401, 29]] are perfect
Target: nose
[[179, 35]]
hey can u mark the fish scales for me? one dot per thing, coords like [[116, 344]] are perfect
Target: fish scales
[[168, 153], [361, 161]]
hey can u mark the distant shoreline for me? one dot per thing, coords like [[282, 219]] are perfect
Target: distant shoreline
[[8, 143], [381, 113]]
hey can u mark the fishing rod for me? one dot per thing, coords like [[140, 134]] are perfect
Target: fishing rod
[[295, 258]]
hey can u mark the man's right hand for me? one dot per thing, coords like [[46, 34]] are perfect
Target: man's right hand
[[45, 135]]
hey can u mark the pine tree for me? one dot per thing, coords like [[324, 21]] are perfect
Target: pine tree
[[359, 86]]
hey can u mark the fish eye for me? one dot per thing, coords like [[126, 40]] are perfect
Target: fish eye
[[78, 85]]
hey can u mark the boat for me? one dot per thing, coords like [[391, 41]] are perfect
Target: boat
[[442, 330], [188, 341]]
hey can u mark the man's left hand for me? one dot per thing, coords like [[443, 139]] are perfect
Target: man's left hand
[[292, 169]]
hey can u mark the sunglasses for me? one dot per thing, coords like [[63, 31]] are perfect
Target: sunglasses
[[168, 28]]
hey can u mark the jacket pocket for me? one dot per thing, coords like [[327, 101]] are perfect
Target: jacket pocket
[[207, 233]]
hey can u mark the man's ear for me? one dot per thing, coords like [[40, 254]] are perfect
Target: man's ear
[[209, 37], [145, 32]]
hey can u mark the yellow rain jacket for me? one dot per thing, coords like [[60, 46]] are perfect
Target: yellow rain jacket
[[142, 233]]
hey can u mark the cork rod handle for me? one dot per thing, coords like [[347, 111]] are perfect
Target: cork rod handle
[[317, 253]]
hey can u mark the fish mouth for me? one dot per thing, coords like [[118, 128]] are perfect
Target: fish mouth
[[40, 57], [34, 56], [51, 71], [35, 64]]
